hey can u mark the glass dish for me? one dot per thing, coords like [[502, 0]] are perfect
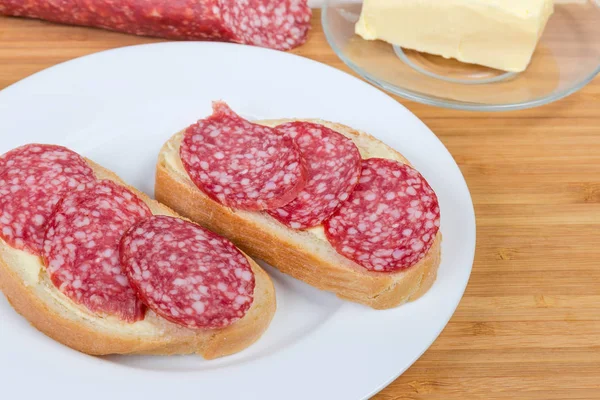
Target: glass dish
[[566, 59]]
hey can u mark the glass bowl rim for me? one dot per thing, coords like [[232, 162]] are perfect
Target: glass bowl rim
[[451, 104]]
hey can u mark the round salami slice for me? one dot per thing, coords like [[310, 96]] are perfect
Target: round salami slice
[[81, 248], [33, 178], [240, 164], [333, 165], [390, 220], [186, 274]]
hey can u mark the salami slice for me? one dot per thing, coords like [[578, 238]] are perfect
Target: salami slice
[[333, 165], [390, 220], [240, 164], [186, 274], [81, 248], [33, 178], [278, 24]]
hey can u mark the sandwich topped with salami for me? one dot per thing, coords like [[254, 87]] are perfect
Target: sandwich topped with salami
[[320, 201], [100, 267]]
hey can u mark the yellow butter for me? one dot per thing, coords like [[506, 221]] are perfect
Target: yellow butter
[[500, 34]]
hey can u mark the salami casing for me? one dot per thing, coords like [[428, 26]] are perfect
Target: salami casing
[[81, 248], [187, 274], [33, 178], [390, 220], [278, 24], [241, 164], [333, 167]]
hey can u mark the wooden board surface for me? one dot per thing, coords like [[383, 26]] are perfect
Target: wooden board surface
[[529, 324]]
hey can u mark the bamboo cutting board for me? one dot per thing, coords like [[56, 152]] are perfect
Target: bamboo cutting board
[[529, 324]]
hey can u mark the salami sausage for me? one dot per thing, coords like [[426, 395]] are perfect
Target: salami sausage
[[278, 24], [33, 178], [81, 248], [187, 274], [240, 164], [390, 220], [333, 165]]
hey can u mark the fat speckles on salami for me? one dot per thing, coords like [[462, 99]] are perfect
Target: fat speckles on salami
[[278, 24], [240, 164], [333, 165], [186, 274], [33, 178], [391, 219], [81, 248]]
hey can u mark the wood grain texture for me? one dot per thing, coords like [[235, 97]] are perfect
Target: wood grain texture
[[529, 324]]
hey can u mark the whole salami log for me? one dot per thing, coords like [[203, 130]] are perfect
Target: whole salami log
[[33, 178], [278, 24], [240, 164], [390, 220], [81, 248], [187, 274], [333, 165]]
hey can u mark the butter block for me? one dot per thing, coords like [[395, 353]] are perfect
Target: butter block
[[500, 34]]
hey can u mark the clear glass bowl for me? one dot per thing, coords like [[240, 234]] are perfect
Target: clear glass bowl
[[566, 59]]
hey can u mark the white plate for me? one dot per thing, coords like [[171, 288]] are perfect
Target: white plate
[[118, 107]]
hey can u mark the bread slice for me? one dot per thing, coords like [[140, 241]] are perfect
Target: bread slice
[[305, 255], [29, 290]]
